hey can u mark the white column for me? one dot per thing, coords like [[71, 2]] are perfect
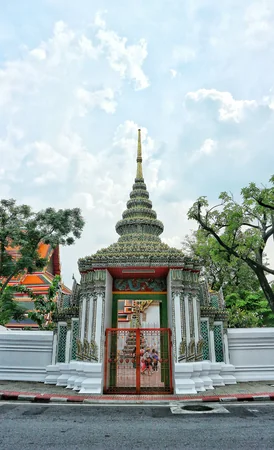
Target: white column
[[67, 354], [187, 320], [178, 330], [90, 318], [83, 319], [196, 325], [54, 349], [226, 352], [212, 346], [98, 327]]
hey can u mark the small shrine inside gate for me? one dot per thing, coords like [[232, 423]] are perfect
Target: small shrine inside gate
[[135, 285]]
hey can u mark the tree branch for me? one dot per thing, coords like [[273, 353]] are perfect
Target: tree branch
[[231, 251]]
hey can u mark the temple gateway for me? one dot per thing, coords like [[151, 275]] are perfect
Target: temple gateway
[[141, 320]]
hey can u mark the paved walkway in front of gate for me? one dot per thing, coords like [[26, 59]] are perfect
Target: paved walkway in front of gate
[[32, 391]]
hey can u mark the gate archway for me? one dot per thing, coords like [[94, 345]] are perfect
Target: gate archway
[[138, 361]]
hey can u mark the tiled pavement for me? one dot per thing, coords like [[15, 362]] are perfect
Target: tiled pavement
[[19, 390]]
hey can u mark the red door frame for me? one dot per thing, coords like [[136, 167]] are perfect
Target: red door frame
[[138, 365]]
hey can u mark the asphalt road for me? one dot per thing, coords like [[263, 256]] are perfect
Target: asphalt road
[[72, 427]]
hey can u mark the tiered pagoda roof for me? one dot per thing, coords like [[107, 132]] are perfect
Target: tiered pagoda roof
[[139, 244], [37, 282]]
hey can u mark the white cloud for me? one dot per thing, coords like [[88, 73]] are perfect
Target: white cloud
[[125, 59], [87, 47], [38, 53], [103, 98], [208, 147], [69, 90], [230, 109], [65, 58], [99, 21], [12, 153], [45, 178], [259, 21]]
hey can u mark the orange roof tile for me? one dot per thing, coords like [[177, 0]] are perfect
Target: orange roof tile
[[32, 279]]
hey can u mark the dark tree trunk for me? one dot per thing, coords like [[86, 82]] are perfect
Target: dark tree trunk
[[266, 287]]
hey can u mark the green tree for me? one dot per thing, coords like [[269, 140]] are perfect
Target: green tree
[[242, 229], [10, 309], [249, 309], [22, 228], [45, 306], [221, 269]]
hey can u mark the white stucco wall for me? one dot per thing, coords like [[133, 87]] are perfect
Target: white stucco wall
[[152, 317], [251, 351], [24, 355]]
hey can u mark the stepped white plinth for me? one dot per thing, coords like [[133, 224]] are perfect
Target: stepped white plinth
[[53, 372], [65, 373], [183, 384], [214, 374], [204, 375], [197, 371], [93, 382]]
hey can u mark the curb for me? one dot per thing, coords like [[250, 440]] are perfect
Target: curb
[[99, 400]]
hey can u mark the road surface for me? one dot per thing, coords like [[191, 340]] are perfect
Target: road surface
[[25, 426]]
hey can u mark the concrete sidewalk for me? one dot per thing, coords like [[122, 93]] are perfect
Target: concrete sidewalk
[[40, 392]]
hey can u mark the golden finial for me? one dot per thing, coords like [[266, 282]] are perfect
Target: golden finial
[[139, 173]]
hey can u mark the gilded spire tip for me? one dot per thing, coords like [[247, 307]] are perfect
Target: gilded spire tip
[[139, 174]]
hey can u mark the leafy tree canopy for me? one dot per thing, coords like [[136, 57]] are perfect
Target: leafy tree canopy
[[241, 230], [45, 306], [248, 309], [221, 269], [23, 229]]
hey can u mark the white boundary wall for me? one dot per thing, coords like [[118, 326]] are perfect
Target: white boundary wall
[[251, 351], [24, 355]]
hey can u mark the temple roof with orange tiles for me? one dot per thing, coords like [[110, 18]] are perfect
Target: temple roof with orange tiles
[[39, 282]]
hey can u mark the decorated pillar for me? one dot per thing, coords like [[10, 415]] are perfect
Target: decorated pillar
[[211, 340], [176, 306], [61, 342], [99, 322], [90, 344], [177, 338], [74, 337], [197, 327], [83, 317], [90, 318]]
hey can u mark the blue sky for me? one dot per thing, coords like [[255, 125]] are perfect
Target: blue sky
[[78, 78]]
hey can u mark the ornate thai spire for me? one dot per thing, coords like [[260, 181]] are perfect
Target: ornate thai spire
[[139, 219], [139, 173], [139, 244]]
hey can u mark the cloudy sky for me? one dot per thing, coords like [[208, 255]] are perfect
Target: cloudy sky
[[77, 78]]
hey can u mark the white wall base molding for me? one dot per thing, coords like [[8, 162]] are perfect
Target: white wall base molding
[[197, 371], [62, 380], [228, 373], [254, 373], [183, 384], [73, 365], [22, 373], [205, 375], [53, 372], [80, 377], [214, 374], [93, 383]]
